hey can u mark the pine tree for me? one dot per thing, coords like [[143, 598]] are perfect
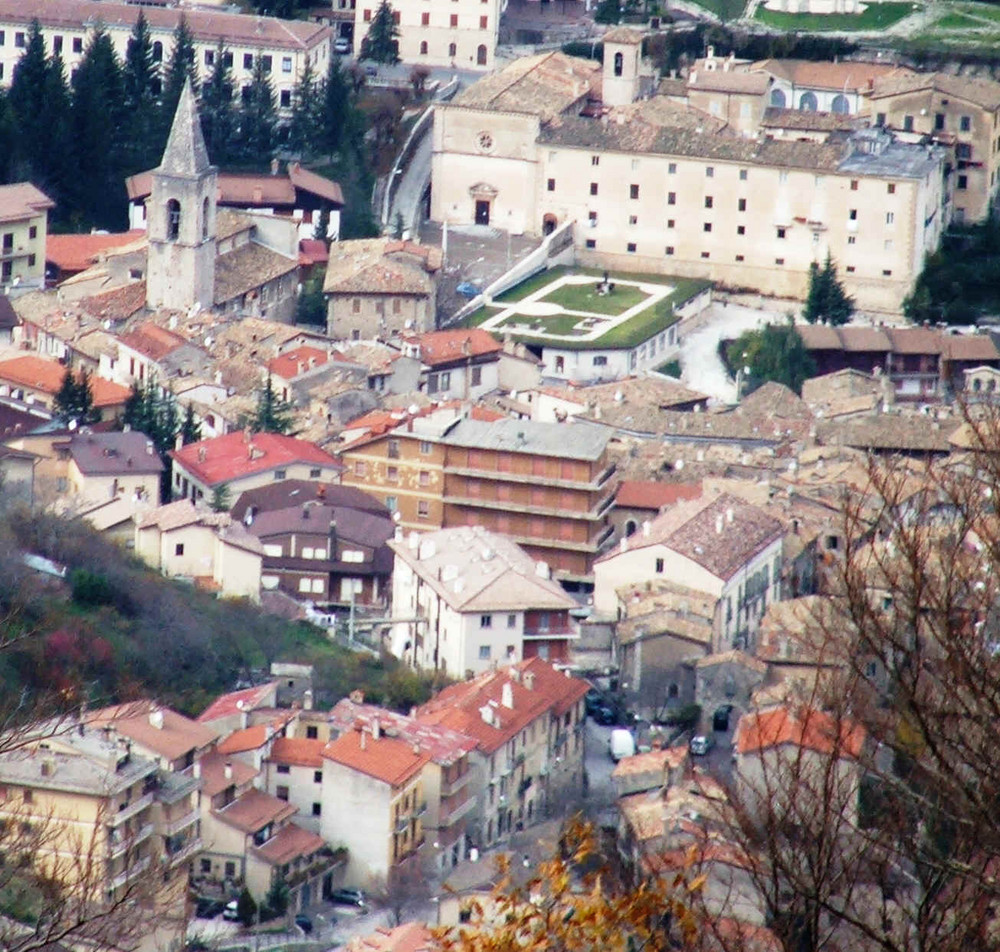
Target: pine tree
[[273, 415], [8, 139], [335, 110], [74, 401], [181, 67], [98, 124], [306, 111], [218, 114], [382, 42], [827, 302], [221, 500], [258, 118], [190, 428], [322, 227], [140, 79]]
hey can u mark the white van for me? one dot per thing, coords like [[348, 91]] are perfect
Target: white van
[[621, 744]]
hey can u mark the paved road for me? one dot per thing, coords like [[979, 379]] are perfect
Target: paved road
[[414, 178]]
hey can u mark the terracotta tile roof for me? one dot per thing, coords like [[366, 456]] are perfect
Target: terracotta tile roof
[[444, 746], [727, 81], [887, 431], [46, 376], [236, 702], [74, 253], [982, 92], [118, 304], [644, 814], [229, 222], [313, 251], [624, 34], [971, 347], [297, 752], [914, 340], [542, 85], [841, 76], [22, 200], [315, 184], [733, 656], [294, 362], [153, 341], [856, 338], [660, 111], [648, 494], [808, 728], [213, 773], [652, 761], [292, 492], [171, 738], [394, 762], [248, 267], [440, 348], [805, 121], [254, 810], [249, 738], [381, 266], [224, 458], [409, 937], [288, 844], [205, 25]]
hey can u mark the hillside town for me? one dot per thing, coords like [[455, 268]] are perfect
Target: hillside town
[[576, 528]]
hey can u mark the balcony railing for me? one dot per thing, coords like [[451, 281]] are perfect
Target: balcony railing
[[119, 844], [128, 810], [133, 871], [189, 849], [402, 823], [175, 826], [456, 813], [447, 789]]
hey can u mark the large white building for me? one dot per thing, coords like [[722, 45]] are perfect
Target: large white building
[[67, 25]]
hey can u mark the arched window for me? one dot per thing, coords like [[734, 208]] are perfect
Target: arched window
[[840, 105], [157, 52], [173, 219], [560, 365], [808, 102], [619, 64], [977, 385], [630, 527], [205, 209], [481, 55], [778, 98], [423, 47], [452, 49]]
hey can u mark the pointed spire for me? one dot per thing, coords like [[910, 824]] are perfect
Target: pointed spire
[[185, 153]]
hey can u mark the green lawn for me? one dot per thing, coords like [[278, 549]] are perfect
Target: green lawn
[[559, 325], [877, 16], [535, 283], [584, 297], [984, 11], [958, 21], [724, 9]]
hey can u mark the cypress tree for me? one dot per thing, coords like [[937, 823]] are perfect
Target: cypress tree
[[258, 117], [334, 109], [218, 115], [190, 428], [306, 112], [382, 42], [273, 414], [140, 79], [27, 97]]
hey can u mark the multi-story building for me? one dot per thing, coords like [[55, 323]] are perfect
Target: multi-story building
[[461, 34], [547, 487], [380, 801], [91, 815], [531, 149], [24, 222], [37, 381], [293, 771], [962, 112], [468, 599], [285, 46]]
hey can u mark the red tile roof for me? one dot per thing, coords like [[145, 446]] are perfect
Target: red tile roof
[[650, 494], [313, 251], [254, 810], [74, 253], [297, 752], [387, 759], [46, 376], [152, 340], [809, 728], [236, 702], [213, 773], [409, 937], [228, 457], [293, 362], [118, 303], [288, 844], [250, 738], [447, 347]]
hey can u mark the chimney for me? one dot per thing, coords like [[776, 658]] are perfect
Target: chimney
[[178, 441], [305, 511], [228, 770], [376, 729], [729, 515], [274, 166], [156, 718], [529, 680], [196, 770], [362, 741], [356, 697], [416, 748], [542, 570], [333, 539], [507, 696], [718, 525], [48, 767], [307, 700], [645, 528]]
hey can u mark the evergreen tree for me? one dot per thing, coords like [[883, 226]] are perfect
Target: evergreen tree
[[258, 117], [218, 114], [140, 81], [74, 401], [827, 302], [273, 415], [382, 42], [774, 352], [190, 428], [307, 110], [311, 306], [181, 67], [322, 226], [221, 500], [8, 139], [98, 124], [608, 11], [336, 108]]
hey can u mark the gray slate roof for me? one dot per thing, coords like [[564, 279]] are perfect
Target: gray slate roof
[[529, 436], [115, 454], [185, 153]]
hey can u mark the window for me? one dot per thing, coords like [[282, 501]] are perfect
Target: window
[[248, 60], [781, 232], [887, 244], [741, 205], [512, 621], [890, 218], [963, 182], [633, 192], [671, 198], [633, 219], [317, 809], [425, 447], [965, 123], [672, 168], [485, 621], [590, 243], [179, 548], [483, 22], [850, 269], [173, 219], [551, 185], [77, 44], [669, 250], [28, 795], [206, 865], [312, 732], [706, 254], [963, 151], [852, 239], [659, 566], [391, 503], [230, 869], [854, 185], [453, 20], [880, 118], [31, 261], [939, 121], [392, 474], [630, 247], [281, 792], [670, 223], [424, 478], [279, 474], [286, 64], [739, 258], [593, 188], [265, 61], [3, 37], [891, 188], [708, 201], [743, 175], [477, 376], [852, 214], [285, 99], [707, 226], [33, 231], [779, 261], [619, 64], [741, 229], [315, 473], [452, 49], [392, 450], [359, 468], [887, 272], [485, 651], [423, 509], [423, 47], [209, 57], [19, 39], [57, 44], [709, 172], [284, 769]]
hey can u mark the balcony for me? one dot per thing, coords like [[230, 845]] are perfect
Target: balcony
[[402, 824], [420, 810], [519, 761], [507, 505], [119, 844], [606, 474], [189, 849], [456, 813], [128, 810], [531, 479], [556, 631], [134, 871], [462, 780], [175, 826]]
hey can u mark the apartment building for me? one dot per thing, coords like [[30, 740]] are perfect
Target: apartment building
[[23, 229], [91, 814], [470, 599], [650, 190], [293, 771], [67, 25], [960, 111], [461, 34]]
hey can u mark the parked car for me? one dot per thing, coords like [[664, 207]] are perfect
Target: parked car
[[342, 45], [592, 700], [208, 908], [605, 715], [701, 744], [231, 912], [348, 897], [304, 923]]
